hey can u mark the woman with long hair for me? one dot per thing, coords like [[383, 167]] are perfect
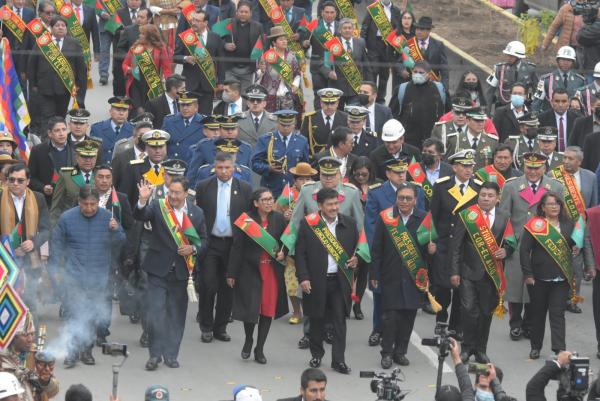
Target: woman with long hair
[[471, 84], [256, 275], [407, 25]]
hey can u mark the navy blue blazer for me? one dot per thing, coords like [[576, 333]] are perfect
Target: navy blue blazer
[[204, 153], [182, 137], [103, 131]]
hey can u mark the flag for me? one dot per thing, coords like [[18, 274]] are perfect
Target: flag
[[223, 28], [306, 25], [416, 172], [113, 24], [189, 231], [328, 59], [14, 116], [509, 236], [362, 249], [289, 236], [258, 49], [8, 266], [426, 231], [116, 205], [578, 232], [286, 196], [99, 8], [16, 236], [13, 312]]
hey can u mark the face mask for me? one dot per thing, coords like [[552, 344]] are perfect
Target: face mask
[[531, 133], [597, 113], [363, 99], [517, 100], [419, 79], [471, 86], [226, 97], [428, 159], [481, 395]]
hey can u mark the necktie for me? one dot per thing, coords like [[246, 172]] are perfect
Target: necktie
[[487, 219], [474, 144], [288, 15], [462, 189], [233, 108], [534, 187], [459, 130], [18, 11], [58, 44], [186, 122], [117, 130], [256, 123], [222, 221], [328, 123], [329, 27], [284, 138], [565, 79], [78, 12], [561, 135], [87, 178], [356, 140], [423, 45], [156, 169], [348, 46], [530, 144], [175, 109], [133, 15]]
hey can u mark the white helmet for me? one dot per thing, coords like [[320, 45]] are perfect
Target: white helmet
[[392, 131], [566, 52], [9, 385], [597, 70], [515, 48]]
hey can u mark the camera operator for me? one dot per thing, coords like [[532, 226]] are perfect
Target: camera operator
[[550, 371], [588, 36], [487, 386]]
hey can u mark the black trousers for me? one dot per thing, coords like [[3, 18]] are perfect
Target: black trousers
[[448, 297], [379, 57], [50, 106], [362, 278], [478, 300], [520, 315], [214, 286], [205, 102], [596, 305], [167, 307], [548, 297], [397, 326], [334, 304], [85, 308]]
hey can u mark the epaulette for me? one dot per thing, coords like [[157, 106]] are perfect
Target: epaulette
[[440, 122], [476, 181], [514, 137], [372, 133], [271, 117], [120, 141], [136, 161], [443, 179], [191, 192], [510, 179], [500, 63], [244, 114], [452, 134], [310, 113], [580, 76], [528, 62], [348, 184], [67, 168], [376, 185], [490, 136], [549, 74], [308, 183]]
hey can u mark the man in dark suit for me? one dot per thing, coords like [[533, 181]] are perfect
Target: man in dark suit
[[16, 46], [166, 104], [131, 149], [167, 263], [87, 18], [231, 99], [223, 198], [433, 50], [379, 114], [45, 81], [128, 16], [478, 294], [433, 166], [212, 16], [364, 141], [342, 142], [326, 288], [312, 386], [317, 126], [559, 116], [393, 147], [195, 79], [506, 118]]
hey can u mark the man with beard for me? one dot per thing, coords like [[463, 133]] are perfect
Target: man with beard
[[501, 168]]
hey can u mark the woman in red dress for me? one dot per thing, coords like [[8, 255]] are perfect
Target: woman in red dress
[[257, 279]]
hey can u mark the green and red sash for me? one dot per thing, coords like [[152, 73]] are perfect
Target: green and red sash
[[200, 53], [13, 22], [277, 16], [110, 7], [388, 34], [557, 247], [280, 65], [573, 200], [183, 234], [330, 243], [75, 30], [346, 9], [409, 253], [489, 173], [417, 55], [419, 176], [344, 61], [53, 55], [145, 62], [485, 243], [259, 235]]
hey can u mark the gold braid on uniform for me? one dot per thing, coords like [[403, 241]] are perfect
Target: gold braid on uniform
[[270, 158], [311, 138]]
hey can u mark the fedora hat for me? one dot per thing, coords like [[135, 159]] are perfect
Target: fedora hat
[[276, 32], [424, 23]]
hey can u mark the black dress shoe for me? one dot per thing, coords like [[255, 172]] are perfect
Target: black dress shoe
[[534, 354], [516, 333], [134, 318], [315, 362], [481, 357], [304, 343], [152, 363], [428, 309], [100, 340], [172, 363], [145, 340], [206, 337], [386, 362], [87, 358], [341, 367], [69, 362], [464, 356], [103, 81], [357, 312], [222, 336], [573, 308], [259, 357], [401, 360], [374, 339], [246, 349], [329, 337]]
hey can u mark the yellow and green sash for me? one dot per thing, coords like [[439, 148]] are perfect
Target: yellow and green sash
[[259, 235], [409, 253], [277, 16], [280, 65], [75, 30], [183, 234], [347, 11], [397, 42], [489, 173], [485, 243], [417, 55], [557, 247], [200, 53], [573, 200], [13, 22], [145, 62]]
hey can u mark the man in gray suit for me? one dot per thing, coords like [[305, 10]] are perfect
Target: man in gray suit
[[256, 121], [520, 198]]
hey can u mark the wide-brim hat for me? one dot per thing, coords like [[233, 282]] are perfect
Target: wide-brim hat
[[6, 158], [424, 23], [303, 169], [7, 137], [276, 32]]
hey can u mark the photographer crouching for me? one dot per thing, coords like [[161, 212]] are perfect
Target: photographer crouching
[[572, 373]]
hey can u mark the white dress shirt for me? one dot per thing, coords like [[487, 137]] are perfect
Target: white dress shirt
[[472, 137], [179, 212], [171, 102], [577, 177], [60, 43], [433, 175], [406, 217], [332, 266], [371, 109], [343, 160], [19, 203], [491, 216]]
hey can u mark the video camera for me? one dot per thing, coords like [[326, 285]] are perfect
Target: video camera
[[441, 338], [386, 385], [574, 380], [588, 9]]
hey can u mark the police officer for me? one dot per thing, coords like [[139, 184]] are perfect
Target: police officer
[[514, 69], [240, 172], [364, 141], [526, 141], [458, 124], [184, 127], [588, 93], [114, 128], [563, 77], [278, 151], [318, 125], [256, 120], [547, 141], [473, 138], [78, 125]]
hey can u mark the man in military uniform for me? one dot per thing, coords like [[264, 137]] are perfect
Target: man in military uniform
[[184, 127], [128, 149], [563, 77], [318, 125], [526, 141], [211, 128], [520, 198], [458, 124], [231, 146], [278, 151], [78, 125], [114, 128], [71, 179], [588, 93], [364, 141], [451, 194], [514, 69], [256, 120], [473, 138], [547, 141]]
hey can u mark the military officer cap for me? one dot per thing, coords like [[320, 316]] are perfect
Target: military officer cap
[[174, 167], [120, 102], [547, 134], [6, 136], [465, 157], [529, 119], [476, 113], [392, 130], [156, 137], [329, 165], [79, 115], [286, 117], [255, 92], [228, 145], [461, 104], [6, 158], [303, 169], [229, 121], [396, 165], [156, 393], [211, 122], [356, 113], [145, 117], [534, 159], [188, 97], [88, 147], [329, 95], [44, 356]]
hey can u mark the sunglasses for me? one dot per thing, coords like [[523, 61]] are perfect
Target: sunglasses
[[12, 180]]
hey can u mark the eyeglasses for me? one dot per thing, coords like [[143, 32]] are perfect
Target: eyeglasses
[[357, 174], [12, 180], [267, 200], [405, 198]]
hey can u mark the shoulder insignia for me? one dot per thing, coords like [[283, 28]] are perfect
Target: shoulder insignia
[[580, 76], [490, 137], [306, 184], [376, 185], [476, 181], [530, 63], [120, 141], [74, 171], [510, 179], [451, 134], [310, 114], [271, 117], [244, 114], [514, 137], [372, 133], [440, 122], [137, 161], [350, 185], [544, 76], [67, 168], [443, 179], [191, 192]]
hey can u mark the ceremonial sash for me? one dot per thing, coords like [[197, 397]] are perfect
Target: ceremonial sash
[[201, 55], [181, 236], [491, 174], [145, 62], [280, 65], [397, 42], [331, 244], [409, 253], [346, 9], [417, 55], [110, 7], [13, 22], [573, 200], [557, 247], [276, 14], [55, 58], [76, 31], [420, 177], [259, 235], [485, 243]]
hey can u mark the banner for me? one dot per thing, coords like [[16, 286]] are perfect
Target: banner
[[76, 31], [145, 63]]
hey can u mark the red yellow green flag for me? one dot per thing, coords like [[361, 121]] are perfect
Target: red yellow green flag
[[258, 49], [426, 231], [223, 28], [362, 249], [509, 236], [289, 236]]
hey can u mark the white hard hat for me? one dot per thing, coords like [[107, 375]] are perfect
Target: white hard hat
[[566, 52], [247, 393], [597, 70], [9, 385], [392, 131], [515, 48]]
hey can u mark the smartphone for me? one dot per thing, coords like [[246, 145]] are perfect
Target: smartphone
[[114, 349], [479, 369]]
